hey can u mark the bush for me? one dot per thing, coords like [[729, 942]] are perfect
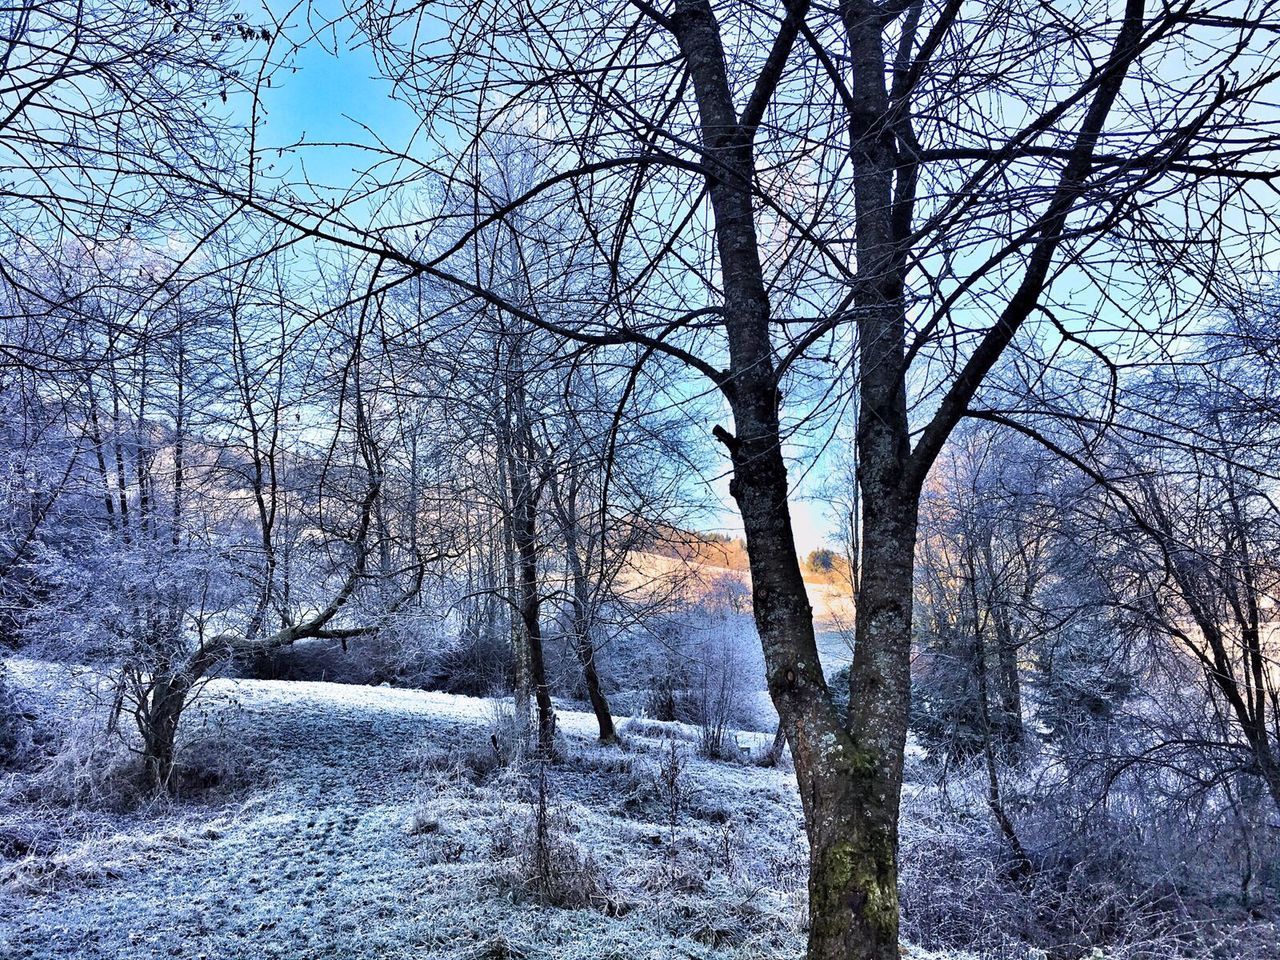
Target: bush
[[1128, 880], [717, 695], [675, 788], [17, 726], [89, 769], [474, 664], [95, 765], [667, 699], [549, 867], [218, 763]]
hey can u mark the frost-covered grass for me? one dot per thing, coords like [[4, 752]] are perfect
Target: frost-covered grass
[[319, 820], [376, 822]]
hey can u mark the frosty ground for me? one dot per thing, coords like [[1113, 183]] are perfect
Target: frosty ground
[[346, 821]]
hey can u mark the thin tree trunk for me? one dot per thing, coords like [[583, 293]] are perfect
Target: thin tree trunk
[[1021, 866], [581, 604], [531, 605], [586, 651], [524, 528], [519, 658], [773, 756]]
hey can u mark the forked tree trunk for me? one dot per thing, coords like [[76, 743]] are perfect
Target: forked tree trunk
[[858, 877], [159, 713], [849, 776]]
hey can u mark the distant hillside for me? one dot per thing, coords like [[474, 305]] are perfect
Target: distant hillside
[[828, 567], [708, 561], [703, 549], [823, 566]]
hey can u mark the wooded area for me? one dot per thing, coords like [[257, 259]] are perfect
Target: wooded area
[[531, 392]]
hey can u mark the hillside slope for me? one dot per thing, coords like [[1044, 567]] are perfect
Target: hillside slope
[[377, 823]]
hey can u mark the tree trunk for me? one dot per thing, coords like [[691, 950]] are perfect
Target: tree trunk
[[507, 486], [158, 720], [863, 841], [585, 648], [530, 617], [582, 606], [524, 529], [522, 684], [773, 756], [599, 702], [1271, 774], [849, 777], [160, 709], [994, 735]]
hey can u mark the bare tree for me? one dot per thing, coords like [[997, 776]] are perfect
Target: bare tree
[[911, 189], [1193, 524]]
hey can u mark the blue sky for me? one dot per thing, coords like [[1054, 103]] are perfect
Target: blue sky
[[334, 92], [331, 93]]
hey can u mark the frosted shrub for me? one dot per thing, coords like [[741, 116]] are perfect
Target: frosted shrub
[[505, 747], [674, 790], [90, 767], [16, 734], [477, 759], [216, 762], [550, 868], [654, 729], [471, 663], [717, 694], [508, 736], [1109, 881]]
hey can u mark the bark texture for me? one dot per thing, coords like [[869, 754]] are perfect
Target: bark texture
[[849, 776], [849, 769]]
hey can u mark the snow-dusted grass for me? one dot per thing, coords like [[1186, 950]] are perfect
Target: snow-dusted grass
[[319, 820], [372, 822]]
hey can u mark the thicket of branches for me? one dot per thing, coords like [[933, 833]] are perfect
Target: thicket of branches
[[1001, 254]]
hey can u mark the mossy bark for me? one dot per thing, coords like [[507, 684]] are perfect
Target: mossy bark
[[849, 770], [853, 892]]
